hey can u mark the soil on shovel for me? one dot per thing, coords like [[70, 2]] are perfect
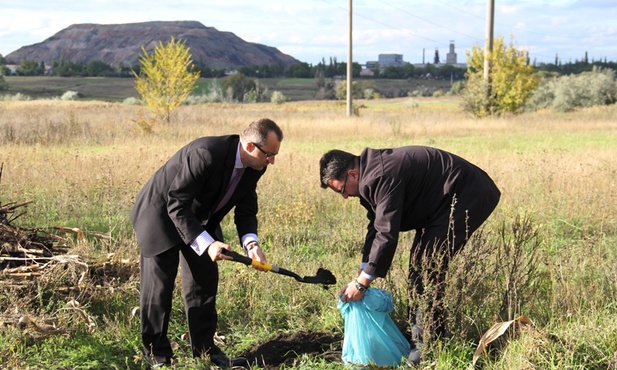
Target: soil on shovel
[[287, 349]]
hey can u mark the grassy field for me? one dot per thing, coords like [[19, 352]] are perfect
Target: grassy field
[[547, 252], [118, 89]]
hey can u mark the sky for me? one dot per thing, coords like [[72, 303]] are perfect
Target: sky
[[318, 30]]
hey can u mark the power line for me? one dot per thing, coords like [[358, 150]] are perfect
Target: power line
[[386, 25], [428, 21], [459, 10], [504, 26]]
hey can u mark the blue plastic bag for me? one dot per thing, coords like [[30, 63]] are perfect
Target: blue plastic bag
[[371, 336]]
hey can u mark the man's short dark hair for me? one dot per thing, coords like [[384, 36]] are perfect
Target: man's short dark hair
[[333, 165], [257, 131]]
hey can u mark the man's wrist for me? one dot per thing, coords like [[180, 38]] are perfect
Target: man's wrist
[[361, 287], [201, 243], [367, 276], [364, 281], [251, 245]]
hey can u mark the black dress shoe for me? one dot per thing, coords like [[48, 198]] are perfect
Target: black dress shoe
[[158, 362], [221, 360]]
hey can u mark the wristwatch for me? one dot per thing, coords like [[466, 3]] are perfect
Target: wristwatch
[[251, 245], [360, 287]]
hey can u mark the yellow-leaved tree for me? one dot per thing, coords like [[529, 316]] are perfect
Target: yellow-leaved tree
[[510, 86], [166, 78]]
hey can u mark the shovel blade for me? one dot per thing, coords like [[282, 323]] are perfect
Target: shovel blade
[[323, 276]]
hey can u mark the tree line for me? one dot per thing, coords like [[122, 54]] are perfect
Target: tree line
[[331, 69], [324, 69]]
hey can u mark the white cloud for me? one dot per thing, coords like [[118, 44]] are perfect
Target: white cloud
[[310, 30]]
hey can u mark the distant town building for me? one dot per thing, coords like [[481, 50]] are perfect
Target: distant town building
[[450, 59], [372, 64], [396, 60], [451, 56], [387, 60]]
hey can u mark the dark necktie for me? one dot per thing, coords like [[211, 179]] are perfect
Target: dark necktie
[[235, 179]]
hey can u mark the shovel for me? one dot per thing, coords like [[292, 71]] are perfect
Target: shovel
[[323, 276]]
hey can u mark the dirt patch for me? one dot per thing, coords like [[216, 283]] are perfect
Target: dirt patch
[[287, 349]]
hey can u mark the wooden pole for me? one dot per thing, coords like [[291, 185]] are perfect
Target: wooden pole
[[488, 46], [349, 63]]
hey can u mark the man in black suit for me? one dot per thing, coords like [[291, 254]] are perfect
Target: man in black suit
[[441, 196], [176, 219]]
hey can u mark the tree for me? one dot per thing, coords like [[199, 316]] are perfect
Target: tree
[[3, 84], [99, 68], [166, 78], [237, 86], [299, 70], [510, 86], [30, 68], [357, 92], [68, 69]]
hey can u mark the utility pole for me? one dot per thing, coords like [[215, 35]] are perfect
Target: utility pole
[[488, 46], [349, 64]]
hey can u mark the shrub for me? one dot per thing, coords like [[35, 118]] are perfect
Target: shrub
[[278, 97], [69, 95], [369, 94], [213, 94], [16, 97], [3, 84], [457, 88], [131, 101], [341, 90], [237, 86], [420, 91], [543, 96], [510, 86], [565, 93]]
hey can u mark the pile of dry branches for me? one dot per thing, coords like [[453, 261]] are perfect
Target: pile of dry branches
[[35, 269], [23, 252]]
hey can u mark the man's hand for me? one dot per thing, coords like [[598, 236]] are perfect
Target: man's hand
[[354, 291], [214, 251], [254, 252]]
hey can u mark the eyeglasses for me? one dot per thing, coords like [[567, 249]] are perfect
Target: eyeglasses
[[268, 155], [342, 191]]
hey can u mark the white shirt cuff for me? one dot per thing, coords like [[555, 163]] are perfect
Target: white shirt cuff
[[201, 243], [370, 277], [248, 238]]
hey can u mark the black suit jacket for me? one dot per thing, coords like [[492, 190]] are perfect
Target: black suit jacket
[[411, 188], [178, 202]]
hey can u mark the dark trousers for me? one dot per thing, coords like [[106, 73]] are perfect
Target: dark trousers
[[429, 259], [199, 284], [431, 252]]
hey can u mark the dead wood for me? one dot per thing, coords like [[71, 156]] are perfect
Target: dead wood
[[36, 268]]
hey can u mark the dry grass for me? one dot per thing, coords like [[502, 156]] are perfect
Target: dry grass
[[562, 162], [83, 162], [66, 155]]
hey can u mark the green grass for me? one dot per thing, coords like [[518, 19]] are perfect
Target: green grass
[[90, 88], [556, 174], [116, 89]]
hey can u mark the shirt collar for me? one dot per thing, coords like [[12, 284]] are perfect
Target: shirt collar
[[238, 163]]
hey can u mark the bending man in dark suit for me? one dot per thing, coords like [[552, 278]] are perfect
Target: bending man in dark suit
[[176, 220], [441, 196]]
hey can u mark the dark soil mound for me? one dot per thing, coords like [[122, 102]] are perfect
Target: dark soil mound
[[288, 348]]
